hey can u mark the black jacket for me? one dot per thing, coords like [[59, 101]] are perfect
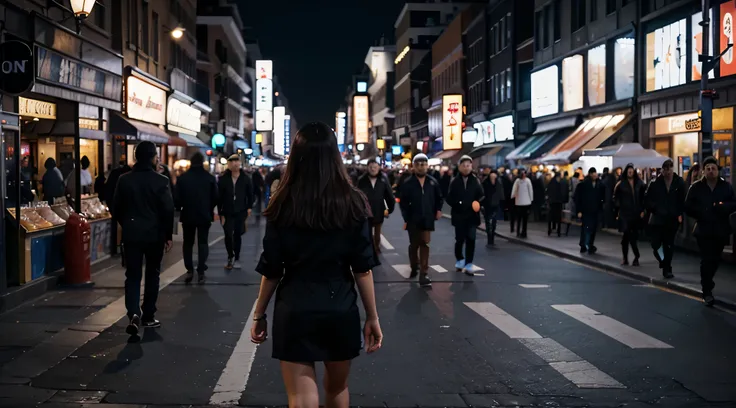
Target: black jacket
[[493, 194], [460, 197], [711, 208], [234, 199], [629, 203], [665, 206], [112, 182], [419, 205], [196, 196], [565, 187], [144, 206], [377, 195], [589, 199], [555, 191]]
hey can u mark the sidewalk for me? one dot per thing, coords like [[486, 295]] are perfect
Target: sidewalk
[[686, 266]]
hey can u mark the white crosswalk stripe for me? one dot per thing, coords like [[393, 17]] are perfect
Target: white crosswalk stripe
[[533, 286], [385, 244], [403, 270], [439, 268], [611, 327], [573, 367]]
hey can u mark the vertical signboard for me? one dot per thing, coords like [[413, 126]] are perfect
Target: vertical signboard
[[341, 122], [279, 113], [572, 83], [545, 92], [452, 122], [264, 96], [360, 119], [287, 134]]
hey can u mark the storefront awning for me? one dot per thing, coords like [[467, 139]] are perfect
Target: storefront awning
[[445, 154], [193, 141], [177, 141], [486, 150], [589, 135], [137, 130], [533, 147], [240, 144]]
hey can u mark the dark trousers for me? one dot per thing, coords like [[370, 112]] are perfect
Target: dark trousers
[[419, 249], [630, 238], [490, 218], [663, 236], [512, 214], [201, 233], [234, 228], [134, 255], [711, 249], [522, 218], [377, 237], [465, 236], [555, 217], [588, 231]]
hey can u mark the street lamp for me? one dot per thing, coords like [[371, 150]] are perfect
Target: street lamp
[[177, 33], [82, 10]]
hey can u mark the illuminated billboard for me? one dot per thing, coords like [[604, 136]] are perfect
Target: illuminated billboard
[[452, 122], [361, 114], [279, 117], [341, 123], [545, 92], [264, 69], [264, 96]]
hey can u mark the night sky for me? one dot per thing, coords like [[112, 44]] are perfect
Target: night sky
[[317, 45]]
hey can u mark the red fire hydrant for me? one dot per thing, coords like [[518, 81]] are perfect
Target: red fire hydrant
[[77, 251]]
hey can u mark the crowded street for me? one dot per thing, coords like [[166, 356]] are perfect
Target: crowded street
[[529, 329]]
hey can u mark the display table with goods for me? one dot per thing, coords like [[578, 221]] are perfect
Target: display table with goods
[[41, 250]]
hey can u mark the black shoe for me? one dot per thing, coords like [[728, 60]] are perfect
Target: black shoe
[[133, 326], [424, 280], [667, 273], [201, 279], [583, 249], [592, 250], [189, 278], [229, 265], [636, 262], [151, 324], [413, 274], [549, 232], [709, 300], [625, 262]]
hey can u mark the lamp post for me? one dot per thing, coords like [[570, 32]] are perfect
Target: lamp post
[[82, 10]]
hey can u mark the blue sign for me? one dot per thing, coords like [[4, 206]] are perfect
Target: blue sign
[[287, 134], [218, 140], [389, 157], [396, 150]]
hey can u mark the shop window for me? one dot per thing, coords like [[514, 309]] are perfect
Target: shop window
[[593, 10], [624, 50], [663, 146], [156, 45], [666, 53], [202, 38], [145, 40], [508, 83], [99, 16], [597, 75], [538, 31], [577, 14], [558, 20], [610, 6]]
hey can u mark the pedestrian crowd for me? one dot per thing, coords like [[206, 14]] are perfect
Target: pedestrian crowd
[[323, 223]]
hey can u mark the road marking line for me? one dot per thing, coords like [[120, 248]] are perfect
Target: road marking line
[[403, 270], [384, 243], [643, 286], [234, 378], [611, 327], [533, 286], [503, 321], [27, 365], [478, 274], [439, 268], [578, 371]]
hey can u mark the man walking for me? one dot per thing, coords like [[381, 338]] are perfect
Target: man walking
[[196, 198], [380, 198], [464, 196], [145, 209], [493, 193], [234, 207], [710, 201], [421, 205], [554, 198], [665, 200], [589, 196]]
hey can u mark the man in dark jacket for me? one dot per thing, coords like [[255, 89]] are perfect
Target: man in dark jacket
[[589, 196], [234, 206], [380, 198], [493, 198], [555, 195], [464, 190], [196, 198], [110, 185], [421, 205], [665, 201], [145, 209], [710, 201]]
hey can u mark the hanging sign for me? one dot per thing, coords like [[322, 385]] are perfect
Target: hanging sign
[[36, 109], [16, 63]]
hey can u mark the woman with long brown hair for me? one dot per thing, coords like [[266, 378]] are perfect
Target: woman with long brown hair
[[316, 250]]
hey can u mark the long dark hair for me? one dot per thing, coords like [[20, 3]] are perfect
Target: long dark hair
[[315, 190]]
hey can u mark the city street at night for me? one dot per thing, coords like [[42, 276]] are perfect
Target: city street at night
[[528, 330]]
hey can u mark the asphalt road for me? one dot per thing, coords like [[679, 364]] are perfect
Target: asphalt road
[[579, 337]]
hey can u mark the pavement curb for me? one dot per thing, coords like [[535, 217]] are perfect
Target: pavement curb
[[662, 283]]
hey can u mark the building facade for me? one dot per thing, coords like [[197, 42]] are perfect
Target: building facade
[[380, 63]]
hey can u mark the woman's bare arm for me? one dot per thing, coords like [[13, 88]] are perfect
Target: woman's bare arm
[[367, 294], [268, 286]]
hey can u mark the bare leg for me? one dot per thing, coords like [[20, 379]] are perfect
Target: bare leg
[[336, 384], [301, 384]]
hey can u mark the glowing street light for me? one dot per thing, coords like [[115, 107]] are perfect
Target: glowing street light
[[82, 8], [177, 33]]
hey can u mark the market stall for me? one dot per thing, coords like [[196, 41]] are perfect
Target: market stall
[[41, 249], [620, 155]]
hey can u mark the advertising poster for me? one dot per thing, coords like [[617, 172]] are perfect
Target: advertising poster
[[697, 43], [624, 53], [666, 56], [597, 75], [279, 114], [725, 30], [572, 83], [545, 92], [452, 122], [360, 119]]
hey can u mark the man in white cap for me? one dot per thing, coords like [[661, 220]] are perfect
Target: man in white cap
[[464, 197], [421, 205]]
